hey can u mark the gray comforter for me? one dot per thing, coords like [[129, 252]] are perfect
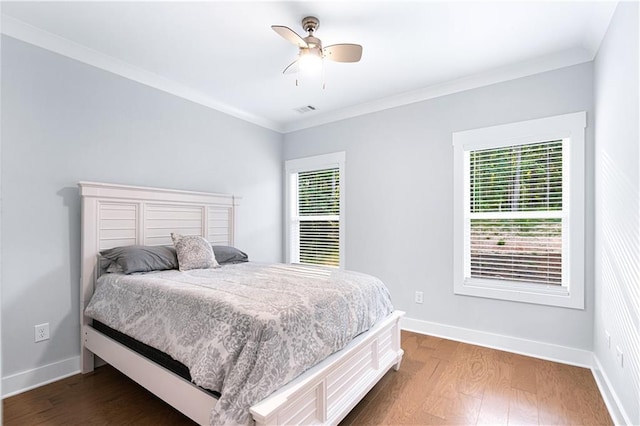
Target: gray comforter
[[243, 330]]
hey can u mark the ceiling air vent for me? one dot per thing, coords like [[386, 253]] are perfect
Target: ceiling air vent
[[305, 109]]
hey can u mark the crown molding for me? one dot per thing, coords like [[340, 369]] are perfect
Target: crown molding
[[30, 34], [552, 62]]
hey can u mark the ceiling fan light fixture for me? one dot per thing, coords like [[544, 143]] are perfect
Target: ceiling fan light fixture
[[311, 54], [310, 60]]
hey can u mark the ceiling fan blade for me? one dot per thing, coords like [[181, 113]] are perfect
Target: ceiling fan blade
[[288, 34], [291, 68], [343, 52]]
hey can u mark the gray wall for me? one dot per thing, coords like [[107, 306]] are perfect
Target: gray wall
[[64, 121], [617, 226], [399, 199]]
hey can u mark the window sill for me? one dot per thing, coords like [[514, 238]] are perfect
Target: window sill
[[520, 292]]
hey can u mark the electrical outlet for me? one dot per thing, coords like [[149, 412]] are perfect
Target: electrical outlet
[[419, 297], [620, 356], [608, 337], [41, 332]]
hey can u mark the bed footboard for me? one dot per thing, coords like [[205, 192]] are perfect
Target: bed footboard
[[326, 393]]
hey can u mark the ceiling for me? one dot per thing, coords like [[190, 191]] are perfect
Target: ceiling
[[225, 55]]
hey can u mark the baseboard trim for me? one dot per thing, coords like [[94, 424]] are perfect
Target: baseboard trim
[[609, 395], [548, 351], [30, 379]]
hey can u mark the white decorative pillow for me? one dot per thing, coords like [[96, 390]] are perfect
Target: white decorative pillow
[[193, 252]]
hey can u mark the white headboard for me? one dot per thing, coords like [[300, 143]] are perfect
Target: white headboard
[[120, 215]]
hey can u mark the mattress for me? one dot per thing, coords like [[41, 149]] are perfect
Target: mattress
[[242, 330], [160, 358]]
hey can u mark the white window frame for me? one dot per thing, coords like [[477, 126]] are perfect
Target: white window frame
[[292, 167], [571, 129]]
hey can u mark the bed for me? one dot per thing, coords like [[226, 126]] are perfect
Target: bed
[[118, 215]]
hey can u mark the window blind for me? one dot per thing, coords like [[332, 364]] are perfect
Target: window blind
[[319, 216], [515, 213]]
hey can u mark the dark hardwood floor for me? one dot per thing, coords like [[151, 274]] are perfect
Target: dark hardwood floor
[[441, 382]]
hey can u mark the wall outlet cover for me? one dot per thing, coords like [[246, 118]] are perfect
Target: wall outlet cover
[[41, 332]]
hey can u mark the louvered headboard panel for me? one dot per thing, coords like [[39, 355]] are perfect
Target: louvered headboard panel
[[117, 223], [120, 215]]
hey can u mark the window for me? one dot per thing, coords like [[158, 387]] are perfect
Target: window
[[315, 210], [519, 211]]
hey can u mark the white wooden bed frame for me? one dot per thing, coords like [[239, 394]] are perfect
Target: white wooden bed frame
[[117, 215]]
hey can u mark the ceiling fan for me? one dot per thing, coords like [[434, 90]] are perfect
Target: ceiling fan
[[311, 53]]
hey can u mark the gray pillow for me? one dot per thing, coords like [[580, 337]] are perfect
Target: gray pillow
[[130, 259], [227, 255], [194, 252]]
